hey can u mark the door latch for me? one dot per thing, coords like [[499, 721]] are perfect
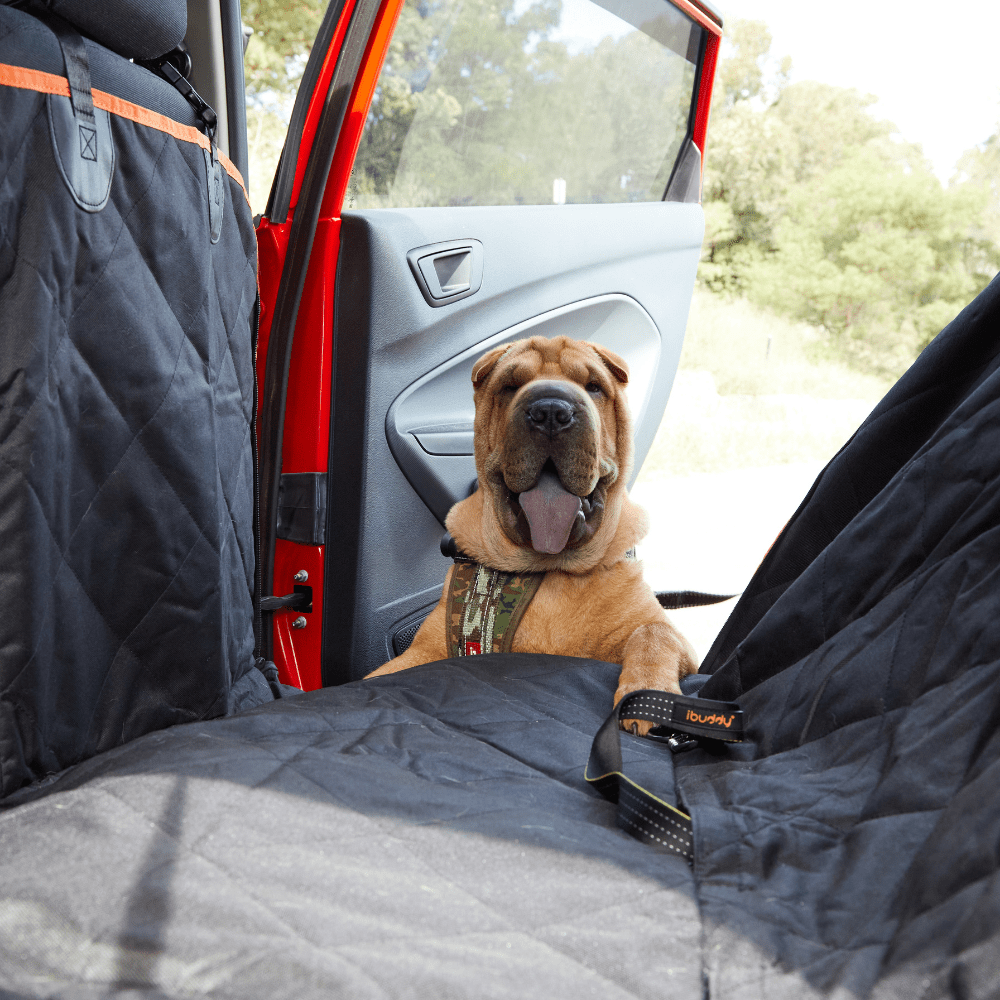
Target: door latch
[[300, 600]]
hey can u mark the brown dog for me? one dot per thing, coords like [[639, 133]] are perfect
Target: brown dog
[[553, 441]]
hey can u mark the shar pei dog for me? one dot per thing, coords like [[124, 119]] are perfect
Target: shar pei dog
[[545, 544]]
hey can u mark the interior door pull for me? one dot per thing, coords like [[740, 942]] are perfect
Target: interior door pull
[[447, 272]]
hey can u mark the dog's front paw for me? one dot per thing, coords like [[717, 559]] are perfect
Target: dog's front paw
[[637, 727], [640, 727]]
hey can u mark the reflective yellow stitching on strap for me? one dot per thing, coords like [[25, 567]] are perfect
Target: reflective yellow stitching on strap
[[50, 83], [655, 798]]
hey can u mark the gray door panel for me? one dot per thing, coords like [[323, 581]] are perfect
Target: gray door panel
[[619, 274]]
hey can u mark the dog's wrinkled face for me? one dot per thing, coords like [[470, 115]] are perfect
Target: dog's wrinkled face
[[553, 444]]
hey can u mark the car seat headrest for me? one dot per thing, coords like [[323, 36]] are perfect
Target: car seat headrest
[[135, 29]]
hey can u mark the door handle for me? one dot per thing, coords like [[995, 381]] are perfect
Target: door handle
[[448, 271]]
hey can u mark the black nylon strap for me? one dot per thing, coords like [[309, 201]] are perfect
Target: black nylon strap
[[717, 720], [77, 64], [640, 812], [270, 672]]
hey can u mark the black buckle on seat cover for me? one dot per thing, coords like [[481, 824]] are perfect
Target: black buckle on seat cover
[[174, 66], [164, 65]]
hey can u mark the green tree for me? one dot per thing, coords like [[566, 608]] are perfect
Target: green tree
[[750, 159], [747, 70], [827, 123], [821, 211], [979, 168], [749, 167], [283, 33], [766, 136], [452, 69], [477, 104], [879, 256]]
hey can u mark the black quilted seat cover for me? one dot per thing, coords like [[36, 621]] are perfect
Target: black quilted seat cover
[[126, 394], [427, 834], [854, 843]]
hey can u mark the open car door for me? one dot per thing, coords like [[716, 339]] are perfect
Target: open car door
[[456, 175]]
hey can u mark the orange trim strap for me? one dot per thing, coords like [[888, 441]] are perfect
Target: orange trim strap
[[49, 83]]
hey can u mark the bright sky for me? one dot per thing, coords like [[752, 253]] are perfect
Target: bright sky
[[933, 66]]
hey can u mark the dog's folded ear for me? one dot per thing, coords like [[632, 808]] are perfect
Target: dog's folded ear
[[482, 368], [616, 364]]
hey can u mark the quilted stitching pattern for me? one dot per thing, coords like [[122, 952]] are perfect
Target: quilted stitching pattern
[[426, 834], [854, 838], [126, 392]]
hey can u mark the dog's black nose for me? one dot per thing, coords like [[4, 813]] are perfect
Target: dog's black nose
[[550, 416]]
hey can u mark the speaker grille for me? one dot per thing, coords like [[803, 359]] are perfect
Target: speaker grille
[[403, 636]]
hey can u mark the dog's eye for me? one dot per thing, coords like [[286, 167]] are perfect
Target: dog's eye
[[509, 388], [595, 389]]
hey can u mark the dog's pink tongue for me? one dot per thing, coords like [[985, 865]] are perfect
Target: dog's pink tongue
[[550, 511]]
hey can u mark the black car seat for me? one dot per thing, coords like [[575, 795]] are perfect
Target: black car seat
[[127, 295]]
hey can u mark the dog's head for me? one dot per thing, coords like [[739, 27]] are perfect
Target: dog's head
[[553, 441]]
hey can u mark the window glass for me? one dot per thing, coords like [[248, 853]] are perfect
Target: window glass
[[497, 103], [281, 38]]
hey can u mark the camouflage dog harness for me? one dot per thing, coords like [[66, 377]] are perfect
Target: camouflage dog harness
[[485, 606]]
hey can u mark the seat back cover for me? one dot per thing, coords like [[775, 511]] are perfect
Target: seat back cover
[[126, 406]]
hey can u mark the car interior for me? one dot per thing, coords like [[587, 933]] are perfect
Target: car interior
[[228, 446]]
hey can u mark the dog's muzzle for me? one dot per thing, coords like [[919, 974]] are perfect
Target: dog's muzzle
[[549, 479]]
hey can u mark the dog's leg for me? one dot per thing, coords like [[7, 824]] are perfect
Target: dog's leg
[[656, 656]]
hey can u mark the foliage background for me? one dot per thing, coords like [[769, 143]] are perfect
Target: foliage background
[[825, 214], [283, 32], [479, 103]]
